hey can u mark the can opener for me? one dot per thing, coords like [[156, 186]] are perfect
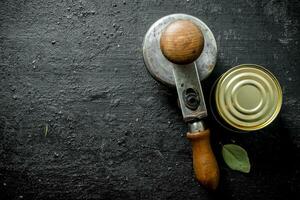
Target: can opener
[[180, 50]]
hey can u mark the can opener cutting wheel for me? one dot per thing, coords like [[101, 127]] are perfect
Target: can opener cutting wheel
[[180, 50]]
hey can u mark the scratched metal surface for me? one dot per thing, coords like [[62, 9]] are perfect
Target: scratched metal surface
[[160, 67], [113, 132]]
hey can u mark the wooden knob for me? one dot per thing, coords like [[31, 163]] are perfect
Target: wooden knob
[[182, 42]]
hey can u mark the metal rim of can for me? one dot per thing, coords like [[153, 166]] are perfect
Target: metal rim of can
[[214, 112], [248, 97]]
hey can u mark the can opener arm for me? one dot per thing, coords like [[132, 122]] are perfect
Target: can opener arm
[[191, 97], [193, 109]]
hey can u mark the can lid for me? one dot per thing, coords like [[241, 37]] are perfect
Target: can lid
[[248, 97]]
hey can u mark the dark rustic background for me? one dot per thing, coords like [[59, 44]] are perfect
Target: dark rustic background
[[76, 67]]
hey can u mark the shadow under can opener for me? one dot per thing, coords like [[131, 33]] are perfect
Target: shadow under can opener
[[180, 50]]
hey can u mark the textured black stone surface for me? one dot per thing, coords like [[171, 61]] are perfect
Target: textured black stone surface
[[76, 67]]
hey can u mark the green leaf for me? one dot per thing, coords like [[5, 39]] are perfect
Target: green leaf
[[236, 157], [46, 130]]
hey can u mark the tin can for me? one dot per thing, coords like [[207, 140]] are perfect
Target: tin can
[[247, 97]]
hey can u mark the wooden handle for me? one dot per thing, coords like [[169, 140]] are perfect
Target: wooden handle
[[204, 162], [182, 42]]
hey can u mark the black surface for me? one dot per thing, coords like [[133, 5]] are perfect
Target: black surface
[[115, 133]]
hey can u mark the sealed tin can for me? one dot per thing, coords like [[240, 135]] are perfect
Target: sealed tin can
[[247, 97]]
